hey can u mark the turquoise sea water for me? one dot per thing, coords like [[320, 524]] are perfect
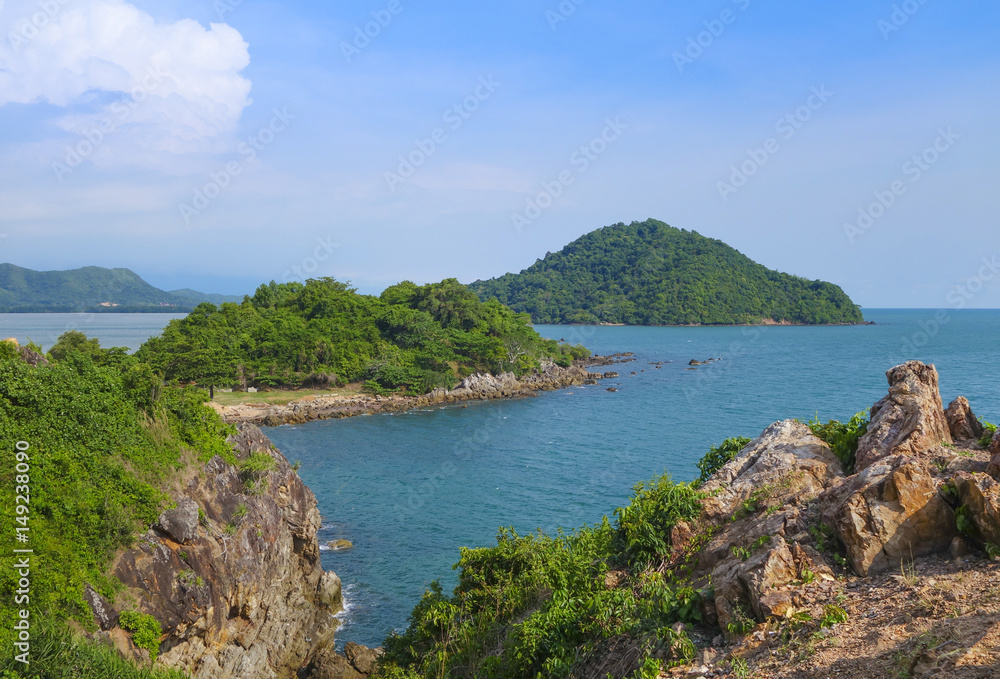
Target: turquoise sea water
[[410, 489]]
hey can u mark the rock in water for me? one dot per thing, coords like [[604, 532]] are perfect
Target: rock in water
[[962, 423], [909, 421], [889, 513]]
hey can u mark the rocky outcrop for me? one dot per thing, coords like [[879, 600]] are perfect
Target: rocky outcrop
[[357, 662], [962, 422], [979, 496], [890, 512], [232, 573], [481, 386], [909, 421]]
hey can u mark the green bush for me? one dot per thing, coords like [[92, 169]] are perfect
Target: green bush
[[991, 429], [644, 526], [842, 438], [718, 456], [145, 629]]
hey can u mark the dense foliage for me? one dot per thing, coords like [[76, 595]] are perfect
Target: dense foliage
[[321, 333], [539, 606], [104, 438], [25, 290], [648, 273]]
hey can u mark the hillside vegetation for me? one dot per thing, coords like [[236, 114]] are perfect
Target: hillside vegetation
[[323, 333], [648, 273], [104, 438], [25, 290]]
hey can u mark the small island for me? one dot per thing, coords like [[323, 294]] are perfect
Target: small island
[[649, 273]]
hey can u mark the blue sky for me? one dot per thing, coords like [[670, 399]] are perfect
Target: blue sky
[[244, 142]]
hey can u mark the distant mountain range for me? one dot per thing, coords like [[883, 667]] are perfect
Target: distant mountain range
[[649, 273], [92, 289]]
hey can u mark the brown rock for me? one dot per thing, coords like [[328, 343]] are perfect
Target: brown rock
[[959, 548], [787, 464], [364, 659], [980, 495], [889, 513], [962, 422], [909, 421], [749, 590]]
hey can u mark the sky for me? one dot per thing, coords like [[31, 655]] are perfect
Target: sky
[[219, 144]]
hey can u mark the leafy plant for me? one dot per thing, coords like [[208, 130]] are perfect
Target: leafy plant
[[991, 430], [740, 668], [718, 456], [842, 438], [145, 629], [832, 615], [644, 526]]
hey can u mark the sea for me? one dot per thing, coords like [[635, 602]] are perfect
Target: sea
[[410, 490]]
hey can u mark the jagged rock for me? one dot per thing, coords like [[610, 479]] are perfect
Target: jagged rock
[[962, 422], [787, 463], [889, 513], [909, 421], [328, 664], [180, 523], [979, 494], [746, 590], [105, 615], [994, 446], [364, 659], [249, 604], [32, 357], [340, 545]]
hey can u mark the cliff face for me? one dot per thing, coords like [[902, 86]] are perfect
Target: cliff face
[[233, 572]]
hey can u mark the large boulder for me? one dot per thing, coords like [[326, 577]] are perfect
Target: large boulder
[[909, 421], [979, 495], [889, 513], [787, 464], [962, 422], [180, 523]]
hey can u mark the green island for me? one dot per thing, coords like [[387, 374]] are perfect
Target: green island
[[92, 289], [649, 273], [322, 333]]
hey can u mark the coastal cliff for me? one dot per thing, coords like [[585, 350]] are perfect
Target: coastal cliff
[[232, 573]]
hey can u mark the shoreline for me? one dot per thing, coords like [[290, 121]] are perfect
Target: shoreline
[[477, 387]]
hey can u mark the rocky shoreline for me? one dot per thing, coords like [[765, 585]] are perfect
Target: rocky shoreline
[[478, 387]]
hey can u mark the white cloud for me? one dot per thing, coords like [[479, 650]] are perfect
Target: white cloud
[[175, 86]]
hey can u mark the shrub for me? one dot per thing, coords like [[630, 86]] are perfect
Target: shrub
[[145, 629], [719, 455], [991, 429], [644, 526], [842, 438]]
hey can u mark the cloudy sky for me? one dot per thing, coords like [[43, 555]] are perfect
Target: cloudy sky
[[217, 144]]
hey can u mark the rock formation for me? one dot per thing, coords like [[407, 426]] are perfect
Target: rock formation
[[232, 573], [909, 421], [962, 423]]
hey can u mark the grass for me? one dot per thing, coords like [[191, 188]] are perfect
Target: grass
[[279, 397]]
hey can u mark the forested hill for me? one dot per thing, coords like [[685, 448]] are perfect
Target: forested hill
[[649, 273], [87, 289]]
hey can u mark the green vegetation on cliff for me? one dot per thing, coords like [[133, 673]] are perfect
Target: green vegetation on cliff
[[648, 273], [101, 440], [322, 333]]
